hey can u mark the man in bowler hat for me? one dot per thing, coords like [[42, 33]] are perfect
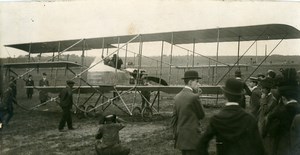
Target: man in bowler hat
[[66, 103], [235, 130], [187, 113]]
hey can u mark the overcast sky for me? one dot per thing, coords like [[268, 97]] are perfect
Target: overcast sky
[[24, 22]]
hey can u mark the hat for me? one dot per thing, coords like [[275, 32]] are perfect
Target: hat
[[291, 91], [238, 73], [261, 75], [191, 74], [44, 74], [70, 82], [233, 87], [271, 73], [253, 78], [110, 118], [266, 83]]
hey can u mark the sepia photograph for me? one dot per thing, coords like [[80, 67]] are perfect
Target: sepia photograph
[[160, 77]]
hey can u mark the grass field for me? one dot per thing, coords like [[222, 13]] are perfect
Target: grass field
[[35, 132]]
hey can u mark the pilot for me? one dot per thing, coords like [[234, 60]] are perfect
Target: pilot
[[116, 61], [108, 141]]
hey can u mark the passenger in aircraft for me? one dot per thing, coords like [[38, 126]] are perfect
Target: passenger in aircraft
[[29, 82], [43, 95], [238, 76], [255, 96], [66, 103], [280, 121], [235, 130], [187, 113], [108, 141], [116, 61], [268, 104], [106, 60]]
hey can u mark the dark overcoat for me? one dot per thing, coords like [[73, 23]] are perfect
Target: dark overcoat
[[29, 83], [187, 113], [295, 135], [66, 98], [255, 101], [236, 133], [43, 95], [279, 125]]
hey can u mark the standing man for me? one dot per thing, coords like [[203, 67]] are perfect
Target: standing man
[[43, 95], [238, 76], [66, 103], [187, 113], [255, 96], [268, 104], [29, 91], [235, 130], [8, 100]]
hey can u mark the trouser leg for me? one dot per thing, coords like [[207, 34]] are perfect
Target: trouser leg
[[63, 120], [69, 118]]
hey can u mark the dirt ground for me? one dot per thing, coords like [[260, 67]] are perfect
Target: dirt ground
[[35, 132]]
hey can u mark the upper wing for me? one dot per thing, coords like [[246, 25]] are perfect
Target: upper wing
[[42, 64], [227, 34]]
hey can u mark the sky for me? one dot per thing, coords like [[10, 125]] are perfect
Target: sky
[[36, 21]]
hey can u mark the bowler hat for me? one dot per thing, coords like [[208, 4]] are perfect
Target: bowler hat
[[261, 76], [70, 82], [271, 73], [291, 91], [191, 74], [45, 74], [267, 83], [110, 118], [253, 78], [238, 73], [233, 87]]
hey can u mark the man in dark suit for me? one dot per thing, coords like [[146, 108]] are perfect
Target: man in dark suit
[[238, 76], [66, 103], [43, 95], [187, 113], [235, 130], [255, 96], [29, 82]]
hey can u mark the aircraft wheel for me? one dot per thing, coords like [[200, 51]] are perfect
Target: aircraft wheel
[[136, 111], [80, 111], [89, 113], [147, 114]]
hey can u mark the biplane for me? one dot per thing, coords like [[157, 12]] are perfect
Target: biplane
[[103, 79]]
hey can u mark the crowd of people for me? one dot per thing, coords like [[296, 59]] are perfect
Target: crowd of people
[[268, 125]]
